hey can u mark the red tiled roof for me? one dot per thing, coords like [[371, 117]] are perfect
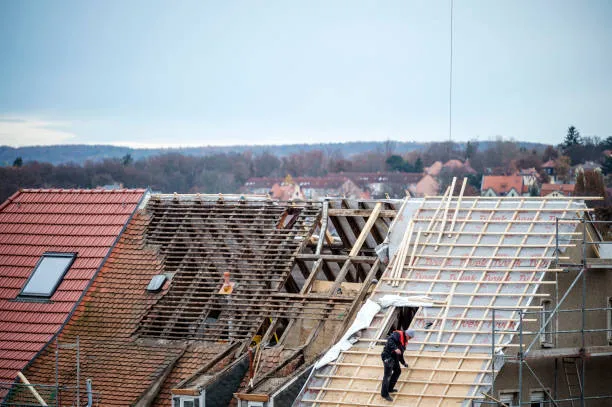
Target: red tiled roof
[[121, 368], [549, 164], [565, 189], [362, 179], [35, 221], [329, 181], [502, 184], [261, 182], [123, 364]]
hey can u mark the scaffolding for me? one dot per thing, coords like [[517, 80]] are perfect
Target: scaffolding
[[589, 241], [26, 394], [21, 395]]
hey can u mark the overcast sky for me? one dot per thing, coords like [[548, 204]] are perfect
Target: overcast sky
[[165, 73]]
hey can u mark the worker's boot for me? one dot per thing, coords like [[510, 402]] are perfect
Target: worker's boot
[[388, 398]]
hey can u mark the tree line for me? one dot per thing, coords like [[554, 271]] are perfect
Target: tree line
[[226, 172]]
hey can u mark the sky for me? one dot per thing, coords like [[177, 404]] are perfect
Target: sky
[[191, 73]]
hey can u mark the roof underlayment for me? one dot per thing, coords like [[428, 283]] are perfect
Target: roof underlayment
[[470, 255]]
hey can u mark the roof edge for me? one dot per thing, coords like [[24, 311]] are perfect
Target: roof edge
[[10, 199]]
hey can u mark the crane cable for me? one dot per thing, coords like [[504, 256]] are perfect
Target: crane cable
[[450, 85]]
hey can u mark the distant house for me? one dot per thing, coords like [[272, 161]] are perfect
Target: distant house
[[531, 179], [459, 167], [286, 191], [557, 190], [427, 186], [53, 244], [333, 185], [434, 169], [381, 184], [502, 185], [329, 186], [549, 169], [260, 185], [588, 165], [455, 166]]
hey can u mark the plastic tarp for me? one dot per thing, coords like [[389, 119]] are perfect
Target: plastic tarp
[[364, 319]]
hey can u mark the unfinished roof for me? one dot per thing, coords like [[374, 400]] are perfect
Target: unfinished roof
[[200, 240], [162, 338], [38, 221], [470, 255], [106, 322], [339, 271]]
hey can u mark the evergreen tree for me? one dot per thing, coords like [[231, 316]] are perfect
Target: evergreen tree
[[127, 159], [572, 138], [418, 165], [18, 162], [607, 166], [395, 163]]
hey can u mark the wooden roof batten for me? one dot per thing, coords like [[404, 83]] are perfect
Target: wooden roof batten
[[350, 258], [470, 255]]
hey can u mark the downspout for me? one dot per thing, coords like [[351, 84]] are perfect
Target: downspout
[[89, 393]]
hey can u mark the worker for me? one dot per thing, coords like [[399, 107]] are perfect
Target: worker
[[392, 355]]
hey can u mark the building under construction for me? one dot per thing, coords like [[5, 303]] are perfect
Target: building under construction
[[247, 301]]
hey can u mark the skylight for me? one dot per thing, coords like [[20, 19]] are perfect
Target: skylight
[[156, 283], [48, 274]]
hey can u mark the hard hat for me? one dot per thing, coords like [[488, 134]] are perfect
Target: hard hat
[[409, 332]]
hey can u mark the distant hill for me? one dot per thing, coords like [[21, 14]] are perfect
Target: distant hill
[[79, 153]]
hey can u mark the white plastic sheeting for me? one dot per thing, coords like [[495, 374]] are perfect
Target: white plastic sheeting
[[364, 319]]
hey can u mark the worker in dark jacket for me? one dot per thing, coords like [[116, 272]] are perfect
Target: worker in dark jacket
[[392, 355]]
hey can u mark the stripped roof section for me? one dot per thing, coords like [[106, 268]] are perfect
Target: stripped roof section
[[200, 240], [35, 221], [471, 255]]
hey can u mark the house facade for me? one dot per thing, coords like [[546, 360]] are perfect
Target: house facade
[[557, 190], [503, 185]]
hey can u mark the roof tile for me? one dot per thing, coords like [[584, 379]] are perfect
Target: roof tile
[[32, 222]]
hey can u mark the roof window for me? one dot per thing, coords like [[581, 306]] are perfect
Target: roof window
[[48, 274], [156, 283]]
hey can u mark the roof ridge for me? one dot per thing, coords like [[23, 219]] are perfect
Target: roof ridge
[[81, 190]]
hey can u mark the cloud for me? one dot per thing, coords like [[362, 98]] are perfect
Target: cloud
[[20, 131]]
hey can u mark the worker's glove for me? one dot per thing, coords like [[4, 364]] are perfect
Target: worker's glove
[[405, 364]]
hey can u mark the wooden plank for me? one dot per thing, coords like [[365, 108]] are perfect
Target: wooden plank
[[364, 213], [252, 397], [366, 230]]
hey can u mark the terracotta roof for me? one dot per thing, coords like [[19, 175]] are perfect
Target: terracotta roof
[[336, 180], [32, 222], [286, 192], [327, 182], [261, 182], [565, 189], [363, 179], [106, 321], [434, 169], [502, 184], [549, 164]]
